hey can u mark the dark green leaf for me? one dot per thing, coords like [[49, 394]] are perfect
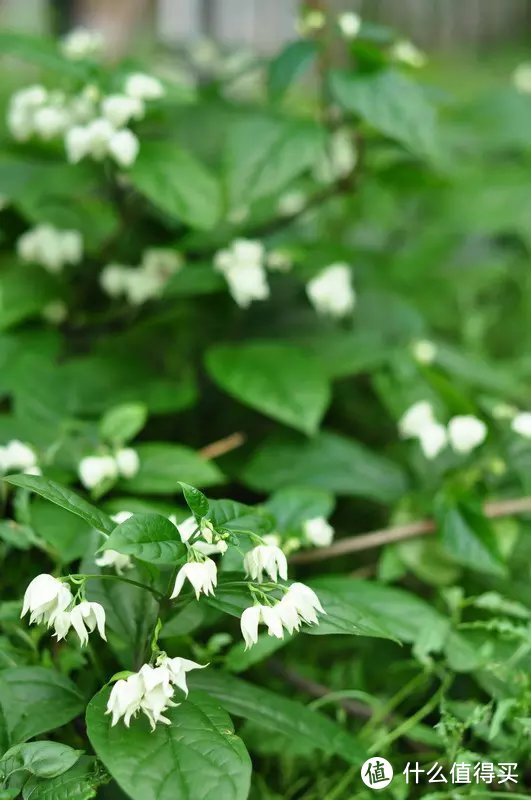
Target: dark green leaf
[[44, 759], [149, 537], [162, 466], [196, 500]]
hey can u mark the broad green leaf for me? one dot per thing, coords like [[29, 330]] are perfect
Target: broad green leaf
[[263, 154], [294, 59], [328, 461], [122, 423], [196, 500], [196, 757], [293, 505], [177, 184], [195, 280], [35, 700], [239, 517], [468, 536], [24, 291], [78, 783], [68, 536], [278, 713], [279, 380], [149, 537], [162, 466], [392, 104], [44, 759], [65, 498]]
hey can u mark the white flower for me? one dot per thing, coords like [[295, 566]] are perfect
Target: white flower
[[406, 53], [77, 143], [99, 131], [424, 351], [253, 616], [339, 160], [128, 462], [125, 698], [113, 279], [18, 456], [161, 261], [299, 604], [466, 433], [186, 530], [21, 112], [310, 21], [331, 291], [266, 558], [143, 87], [123, 147], [305, 602], [82, 43], [177, 668], [158, 692], [119, 109], [85, 618], [141, 286], [61, 624], [50, 247], [291, 203], [50, 121], [44, 598], [318, 531], [349, 23], [432, 439], [419, 416], [243, 267], [201, 574], [522, 424], [522, 77], [111, 558], [94, 470]]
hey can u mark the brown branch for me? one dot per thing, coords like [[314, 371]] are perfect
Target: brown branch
[[399, 533], [226, 445]]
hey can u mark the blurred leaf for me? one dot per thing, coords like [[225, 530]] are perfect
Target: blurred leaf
[[24, 291], [122, 423], [293, 505], [291, 62], [163, 466], [467, 535]]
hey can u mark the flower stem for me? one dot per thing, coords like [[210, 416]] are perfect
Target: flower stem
[[153, 591]]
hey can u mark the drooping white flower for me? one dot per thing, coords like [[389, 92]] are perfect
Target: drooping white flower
[[305, 602], [77, 143], [186, 530], [310, 21], [266, 558], [415, 419], [113, 279], [318, 531], [123, 146], [50, 121], [253, 616], [17, 456], [424, 351], [44, 598], [125, 699], [349, 24], [201, 574], [331, 291], [242, 265], [111, 558], [161, 261], [407, 53], [178, 668], [120, 109], [94, 470], [128, 462], [81, 43], [521, 424], [466, 432], [23, 106], [50, 247], [432, 439], [522, 77], [143, 87], [158, 693], [85, 618], [141, 286], [61, 623]]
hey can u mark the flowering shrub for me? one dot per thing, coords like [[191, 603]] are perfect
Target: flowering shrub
[[295, 285]]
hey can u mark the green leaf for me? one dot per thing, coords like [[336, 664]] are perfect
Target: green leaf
[[293, 505], [295, 59], [177, 184], [196, 500], [65, 498], [122, 423], [468, 536], [328, 461], [44, 759], [68, 536], [280, 714], [35, 700], [196, 757], [263, 154], [162, 466], [279, 380], [24, 291], [77, 783], [393, 105], [195, 280], [239, 517], [149, 537], [43, 52]]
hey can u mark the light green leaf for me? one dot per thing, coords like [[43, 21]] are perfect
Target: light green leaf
[[294, 59], [149, 537], [34, 700], [328, 461], [68, 536], [65, 498], [293, 505], [196, 757], [279, 380], [122, 423], [162, 466], [24, 291], [78, 783], [44, 759], [196, 500], [177, 184], [278, 713], [468, 537], [392, 104], [239, 517]]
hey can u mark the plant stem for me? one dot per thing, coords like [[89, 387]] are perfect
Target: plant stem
[[153, 591]]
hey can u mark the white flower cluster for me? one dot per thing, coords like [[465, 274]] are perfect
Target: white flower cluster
[[150, 690], [50, 247], [51, 602], [318, 532], [299, 605], [407, 53], [35, 111], [16, 456], [82, 43], [464, 432], [331, 291], [93, 471], [243, 267], [143, 283]]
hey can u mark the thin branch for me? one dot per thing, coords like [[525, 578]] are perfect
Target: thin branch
[[399, 533], [226, 445]]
